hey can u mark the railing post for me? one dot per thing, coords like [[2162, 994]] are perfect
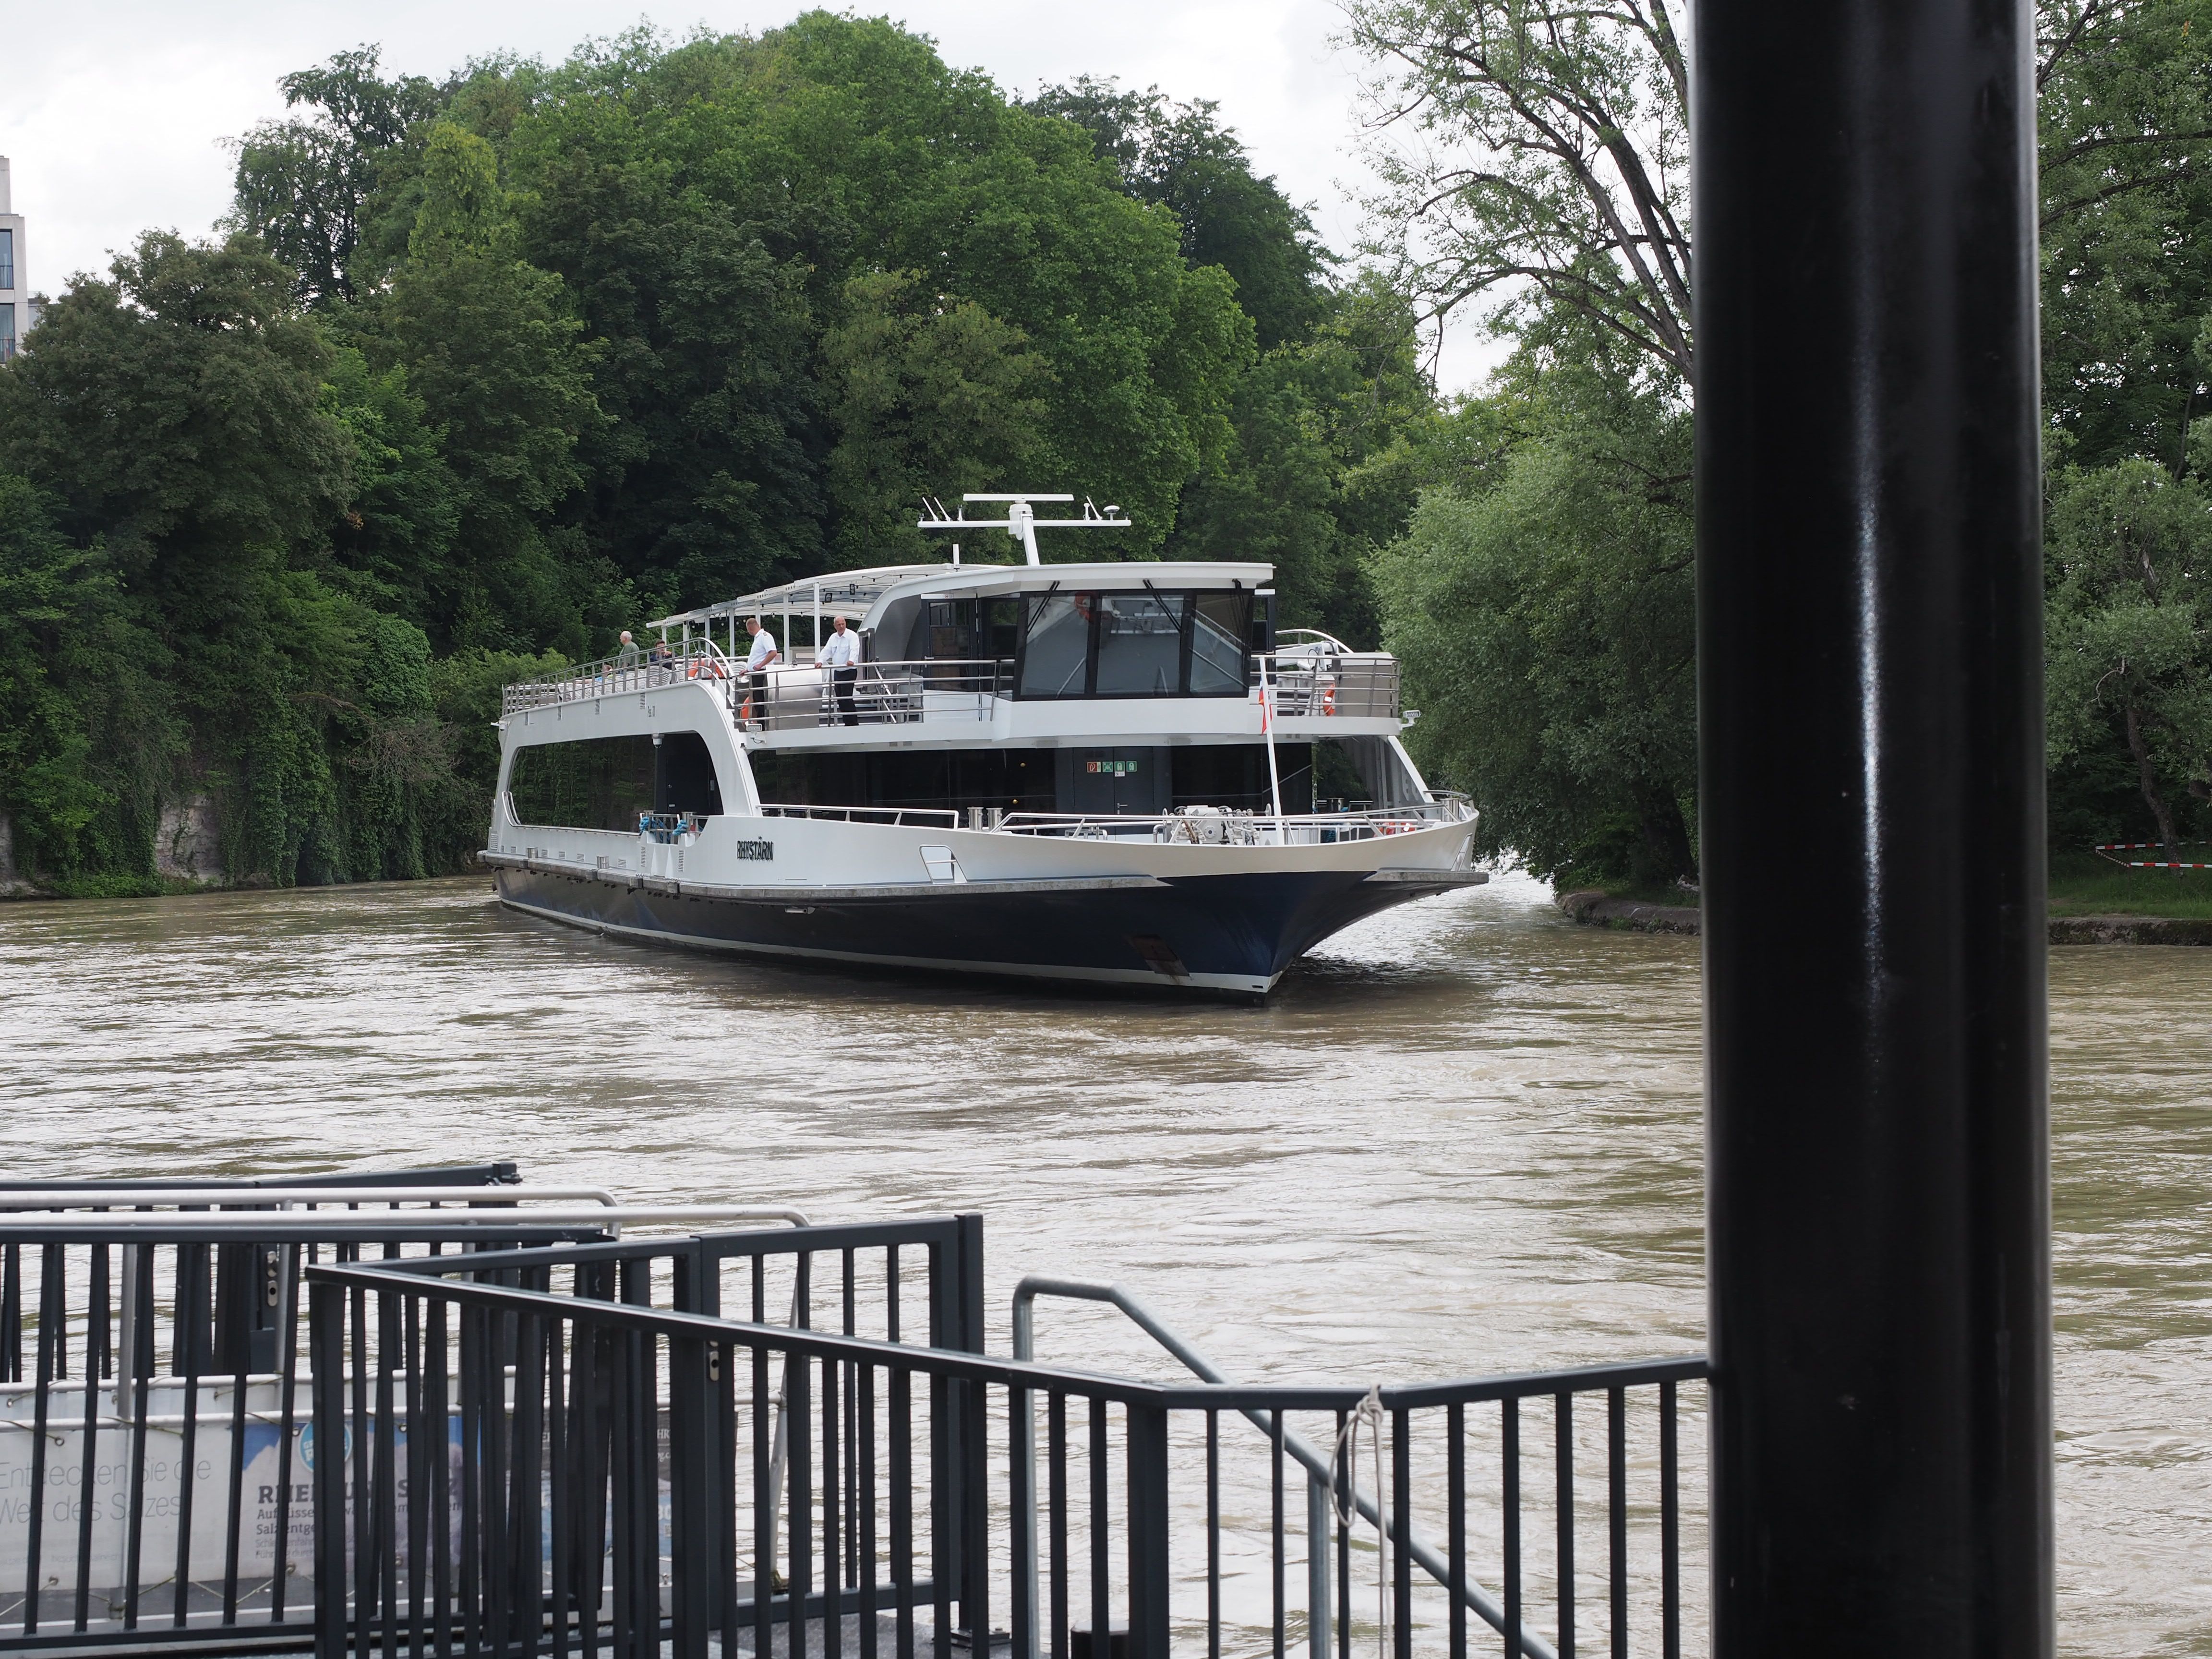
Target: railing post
[[327, 1351], [1319, 1621], [691, 1468], [957, 1322], [1147, 1429], [1021, 1501]]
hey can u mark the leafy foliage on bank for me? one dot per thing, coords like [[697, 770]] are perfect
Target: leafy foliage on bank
[[485, 371], [1532, 156]]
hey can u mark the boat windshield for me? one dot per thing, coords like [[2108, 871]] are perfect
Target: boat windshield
[[1142, 644], [1056, 645]]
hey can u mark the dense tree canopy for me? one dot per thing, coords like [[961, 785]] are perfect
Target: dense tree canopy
[[1178, 156], [1544, 604], [489, 368], [1534, 158], [302, 184], [480, 371]]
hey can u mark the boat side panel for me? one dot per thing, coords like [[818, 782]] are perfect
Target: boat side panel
[[1228, 932]]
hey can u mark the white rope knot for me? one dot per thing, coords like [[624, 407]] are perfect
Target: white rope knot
[[1344, 1498]]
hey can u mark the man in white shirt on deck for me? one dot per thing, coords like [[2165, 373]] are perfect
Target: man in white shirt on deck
[[841, 655], [757, 663]]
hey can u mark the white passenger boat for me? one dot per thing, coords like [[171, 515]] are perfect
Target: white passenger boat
[[1117, 773]]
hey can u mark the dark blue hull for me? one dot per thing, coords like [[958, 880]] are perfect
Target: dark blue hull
[[1233, 934]]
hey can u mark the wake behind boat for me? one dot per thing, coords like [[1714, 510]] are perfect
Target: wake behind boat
[[1114, 773]]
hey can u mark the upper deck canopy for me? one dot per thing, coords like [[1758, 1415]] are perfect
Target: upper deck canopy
[[865, 593]]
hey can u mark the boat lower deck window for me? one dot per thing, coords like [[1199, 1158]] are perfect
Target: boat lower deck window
[[605, 783]]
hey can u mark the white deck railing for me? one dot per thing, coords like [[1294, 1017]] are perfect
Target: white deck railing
[[1305, 681]]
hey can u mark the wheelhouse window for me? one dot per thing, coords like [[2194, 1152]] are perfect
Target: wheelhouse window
[[1056, 645], [1140, 644], [1219, 624]]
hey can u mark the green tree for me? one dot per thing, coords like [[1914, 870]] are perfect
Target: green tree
[[1539, 151], [2125, 118], [394, 540], [1322, 470], [844, 148], [178, 409], [1180, 157], [89, 735], [930, 396], [1545, 612], [491, 348], [2129, 621], [184, 421], [302, 184]]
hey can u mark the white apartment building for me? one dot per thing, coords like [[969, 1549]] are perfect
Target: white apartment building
[[16, 317]]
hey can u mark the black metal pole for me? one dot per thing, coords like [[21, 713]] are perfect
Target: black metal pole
[[1869, 579]]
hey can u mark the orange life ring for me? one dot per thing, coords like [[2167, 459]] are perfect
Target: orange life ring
[[1328, 699]]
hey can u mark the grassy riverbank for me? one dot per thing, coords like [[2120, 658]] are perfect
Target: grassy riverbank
[[2082, 884]]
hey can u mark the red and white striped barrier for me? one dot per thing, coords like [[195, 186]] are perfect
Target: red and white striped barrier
[[2110, 847]]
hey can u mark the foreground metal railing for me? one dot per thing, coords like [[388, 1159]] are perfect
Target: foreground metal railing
[[610, 1478], [153, 1359], [151, 1440]]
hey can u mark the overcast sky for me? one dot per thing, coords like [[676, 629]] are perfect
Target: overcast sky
[[114, 112]]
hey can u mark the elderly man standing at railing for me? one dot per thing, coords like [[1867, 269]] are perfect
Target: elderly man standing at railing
[[626, 659], [762, 657], [841, 655]]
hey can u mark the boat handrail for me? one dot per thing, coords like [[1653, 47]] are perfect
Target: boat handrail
[[1237, 827], [1439, 808], [632, 671], [894, 816], [1328, 680], [804, 695], [1320, 678], [1329, 639]]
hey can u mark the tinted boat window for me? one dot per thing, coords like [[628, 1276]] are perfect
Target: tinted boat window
[[1056, 645], [604, 783], [951, 629], [1217, 644], [1002, 628], [1139, 645]]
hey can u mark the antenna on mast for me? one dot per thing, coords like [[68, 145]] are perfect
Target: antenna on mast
[[1021, 522]]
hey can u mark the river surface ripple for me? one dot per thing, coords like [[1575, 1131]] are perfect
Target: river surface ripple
[[1463, 1138]]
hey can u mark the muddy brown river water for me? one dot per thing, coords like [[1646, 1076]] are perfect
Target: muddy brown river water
[[1463, 1138]]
